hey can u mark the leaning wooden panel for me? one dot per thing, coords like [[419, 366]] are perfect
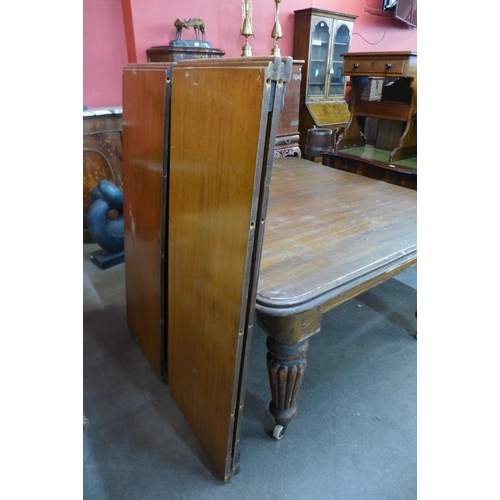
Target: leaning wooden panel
[[222, 126], [146, 97]]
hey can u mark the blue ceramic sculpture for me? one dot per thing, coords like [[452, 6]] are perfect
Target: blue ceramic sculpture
[[107, 232]]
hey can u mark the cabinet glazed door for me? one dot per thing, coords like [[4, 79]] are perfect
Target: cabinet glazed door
[[224, 115], [329, 38], [321, 35], [342, 38]]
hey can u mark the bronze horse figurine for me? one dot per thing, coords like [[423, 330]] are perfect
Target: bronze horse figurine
[[197, 24], [178, 28]]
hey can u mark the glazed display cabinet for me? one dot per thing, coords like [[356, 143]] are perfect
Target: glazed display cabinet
[[321, 36]]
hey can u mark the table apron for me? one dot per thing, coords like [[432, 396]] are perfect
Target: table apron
[[290, 324]]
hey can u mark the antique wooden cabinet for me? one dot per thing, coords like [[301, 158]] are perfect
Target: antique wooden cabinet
[[381, 138], [287, 135], [102, 154], [320, 39]]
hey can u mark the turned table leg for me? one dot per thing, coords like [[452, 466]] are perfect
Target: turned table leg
[[287, 345], [286, 365]]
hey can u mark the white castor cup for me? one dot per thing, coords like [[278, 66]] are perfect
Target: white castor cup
[[278, 431]]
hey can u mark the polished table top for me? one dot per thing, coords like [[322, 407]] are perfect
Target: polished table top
[[331, 235]]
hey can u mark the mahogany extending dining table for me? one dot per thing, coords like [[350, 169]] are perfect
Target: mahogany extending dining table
[[220, 235], [330, 235]]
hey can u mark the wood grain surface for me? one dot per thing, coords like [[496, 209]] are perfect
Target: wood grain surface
[[329, 234], [220, 136], [145, 145]]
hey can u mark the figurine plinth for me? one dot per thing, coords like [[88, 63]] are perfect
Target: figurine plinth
[[171, 53], [190, 43]]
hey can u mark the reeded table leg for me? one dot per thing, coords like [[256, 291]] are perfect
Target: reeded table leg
[[287, 344], [286, 365]]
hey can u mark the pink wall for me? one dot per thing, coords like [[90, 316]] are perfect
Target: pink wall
[[152, 23], [104, 52]]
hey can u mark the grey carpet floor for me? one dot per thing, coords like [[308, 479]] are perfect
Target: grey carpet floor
[[354, 437]]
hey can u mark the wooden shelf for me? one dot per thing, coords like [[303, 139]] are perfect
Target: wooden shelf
[[382, 109], [380, 157]]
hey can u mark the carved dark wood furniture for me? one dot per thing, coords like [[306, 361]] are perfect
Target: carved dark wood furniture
[[102, 154], [287, 135], [330, 235]]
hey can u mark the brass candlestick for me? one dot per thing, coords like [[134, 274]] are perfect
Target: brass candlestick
[[276, 33], [246, 28]]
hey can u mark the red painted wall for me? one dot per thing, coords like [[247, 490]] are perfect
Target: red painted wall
[[104, 53], [152, 23]]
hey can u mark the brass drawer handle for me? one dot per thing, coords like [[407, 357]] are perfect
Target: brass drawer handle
[[388, 65], [355, 65]]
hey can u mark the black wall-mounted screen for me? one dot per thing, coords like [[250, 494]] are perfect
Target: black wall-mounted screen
[[403, 10], [406, 11]]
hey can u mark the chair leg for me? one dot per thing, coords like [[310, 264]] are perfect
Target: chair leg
[[415, 330]]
